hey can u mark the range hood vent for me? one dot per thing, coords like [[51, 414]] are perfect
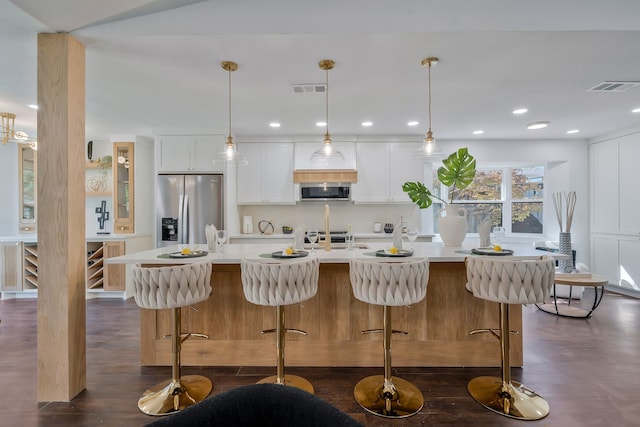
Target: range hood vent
[[324, 175]]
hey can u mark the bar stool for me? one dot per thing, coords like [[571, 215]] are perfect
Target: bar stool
[[277, 284], [507, 281], [388, 284], [173, 287]]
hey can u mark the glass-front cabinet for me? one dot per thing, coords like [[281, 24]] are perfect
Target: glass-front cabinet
[[123, 221], [28, 191]]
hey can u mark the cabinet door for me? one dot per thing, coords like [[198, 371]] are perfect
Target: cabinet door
[[629, 268], [604, 256], [278, 158], [174, 153], [11, 266], [604, 187], [114, 274], [123, 187], [373, 173], [402, 168], [203, 150], [629, 203], [251, 182], [27, 183]]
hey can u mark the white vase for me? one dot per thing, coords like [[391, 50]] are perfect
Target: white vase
[[452, 224]]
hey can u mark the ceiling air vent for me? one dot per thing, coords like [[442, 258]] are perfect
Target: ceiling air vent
[[613, 86], [309, 88]]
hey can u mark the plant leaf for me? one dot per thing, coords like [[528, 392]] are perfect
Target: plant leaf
[[458, 170], [419, 194]]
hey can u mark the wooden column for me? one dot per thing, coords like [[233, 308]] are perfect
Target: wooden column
[[61, 219]]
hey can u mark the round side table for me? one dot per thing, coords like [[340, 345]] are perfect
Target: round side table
[[561, 308]]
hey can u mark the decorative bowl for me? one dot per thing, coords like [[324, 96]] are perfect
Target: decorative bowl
[[287, 230], [388, 228]]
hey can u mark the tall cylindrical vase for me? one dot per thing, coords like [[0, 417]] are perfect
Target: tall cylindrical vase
[[565, 265]]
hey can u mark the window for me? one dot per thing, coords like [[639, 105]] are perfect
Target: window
[[511, 197]]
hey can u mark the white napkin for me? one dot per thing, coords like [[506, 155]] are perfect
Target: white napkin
[[298, 238], [484, 231], [397, 236], [210, 233]]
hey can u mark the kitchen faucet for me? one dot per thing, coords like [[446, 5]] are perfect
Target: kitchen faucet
[[327, 233]]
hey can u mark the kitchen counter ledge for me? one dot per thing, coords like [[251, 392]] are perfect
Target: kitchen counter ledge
[[438, 326]]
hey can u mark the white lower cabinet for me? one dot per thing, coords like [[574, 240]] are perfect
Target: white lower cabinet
[[382, 169], [11, 266], [268, 178]]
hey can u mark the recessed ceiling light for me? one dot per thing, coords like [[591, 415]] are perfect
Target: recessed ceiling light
[[537, 125], [573, 131], [34, 106], [274, 124], [636, 110], [321, 124], [413, 123], [366, 124], [520, 111], [478, 132]]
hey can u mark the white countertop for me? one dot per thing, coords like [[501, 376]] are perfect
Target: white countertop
[[290, 236], [33, 238], [233, 253]]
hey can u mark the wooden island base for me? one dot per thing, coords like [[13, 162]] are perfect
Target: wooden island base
[[438, 326]]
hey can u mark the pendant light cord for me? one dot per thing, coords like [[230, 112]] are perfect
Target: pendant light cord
[[429, 92], [327, 99], [229, 72]]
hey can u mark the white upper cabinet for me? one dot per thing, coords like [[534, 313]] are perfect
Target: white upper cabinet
[[382, 169], [188, 153], [304, 150], [268, 178], [604, 187]]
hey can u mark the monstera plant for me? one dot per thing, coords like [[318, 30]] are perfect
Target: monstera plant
[[457, 172]]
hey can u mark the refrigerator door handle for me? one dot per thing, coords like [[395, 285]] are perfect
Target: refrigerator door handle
[[180, 219], [185, 220]]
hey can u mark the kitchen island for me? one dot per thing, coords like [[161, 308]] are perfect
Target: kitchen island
[[438, 327]]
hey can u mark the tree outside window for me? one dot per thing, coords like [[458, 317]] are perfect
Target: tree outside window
[[514, 203]]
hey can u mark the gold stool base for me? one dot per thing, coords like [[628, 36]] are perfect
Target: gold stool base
[[514, 400], [407, 401], [290, 380], [172, 396]]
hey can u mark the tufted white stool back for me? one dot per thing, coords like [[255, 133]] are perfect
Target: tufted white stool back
[[510, 281], [279, 283], [171, 287], [389, 283]]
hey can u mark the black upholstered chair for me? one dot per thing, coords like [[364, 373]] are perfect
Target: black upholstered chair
[[264, 405]]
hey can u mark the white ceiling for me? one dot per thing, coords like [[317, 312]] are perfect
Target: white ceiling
[[156, 64]]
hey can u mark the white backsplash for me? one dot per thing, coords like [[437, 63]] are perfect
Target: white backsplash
[[311, 215]]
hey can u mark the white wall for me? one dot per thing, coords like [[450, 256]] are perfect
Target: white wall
[[9, 189]]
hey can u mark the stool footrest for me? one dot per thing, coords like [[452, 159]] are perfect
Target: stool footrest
[[379, 330], [273, 331]]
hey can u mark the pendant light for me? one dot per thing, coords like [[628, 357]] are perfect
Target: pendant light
[[429, 147], [327, 154], [9, 134], [230, 155]]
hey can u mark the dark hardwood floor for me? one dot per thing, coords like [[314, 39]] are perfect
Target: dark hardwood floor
[[587, 369]]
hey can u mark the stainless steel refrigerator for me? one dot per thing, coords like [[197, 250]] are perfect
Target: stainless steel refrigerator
[[185, 204]]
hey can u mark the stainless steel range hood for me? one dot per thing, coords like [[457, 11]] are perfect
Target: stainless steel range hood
[[301, 176]]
